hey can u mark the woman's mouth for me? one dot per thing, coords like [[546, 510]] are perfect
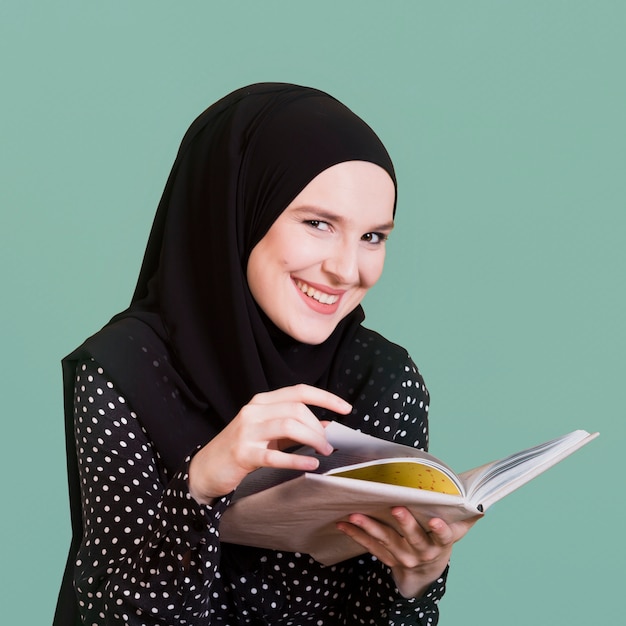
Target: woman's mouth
[[317, 295]]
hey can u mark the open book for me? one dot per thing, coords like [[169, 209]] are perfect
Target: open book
[[297, 512]]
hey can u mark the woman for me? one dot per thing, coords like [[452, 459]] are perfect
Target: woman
[[244, 334]]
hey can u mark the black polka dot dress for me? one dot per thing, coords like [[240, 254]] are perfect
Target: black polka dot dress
[[151, 554]]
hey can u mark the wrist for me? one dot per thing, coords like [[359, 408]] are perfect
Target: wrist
[[415, 582], [194, 487]]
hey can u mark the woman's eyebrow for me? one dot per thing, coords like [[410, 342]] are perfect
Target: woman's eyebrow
[[328, 216]]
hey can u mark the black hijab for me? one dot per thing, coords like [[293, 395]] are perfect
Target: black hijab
[[239, 165]]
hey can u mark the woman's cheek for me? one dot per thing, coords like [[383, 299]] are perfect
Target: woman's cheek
[[374, 269]]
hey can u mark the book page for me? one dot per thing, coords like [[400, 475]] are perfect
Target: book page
[[353, 447], [493, 481], [350, 447], [404, 473]]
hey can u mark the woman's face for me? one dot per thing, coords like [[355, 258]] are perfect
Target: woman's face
[[324, 252]]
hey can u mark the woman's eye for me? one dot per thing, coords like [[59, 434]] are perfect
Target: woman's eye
[[318, 224], [374, 237]]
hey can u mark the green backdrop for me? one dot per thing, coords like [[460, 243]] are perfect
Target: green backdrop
[[505, 276]]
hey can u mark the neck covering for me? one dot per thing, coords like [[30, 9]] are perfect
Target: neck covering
[[240, 164]]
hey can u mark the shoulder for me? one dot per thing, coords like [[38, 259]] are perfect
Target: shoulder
[[124, 339], [375, 347], [138, 361], [387, 391], [371, 356]]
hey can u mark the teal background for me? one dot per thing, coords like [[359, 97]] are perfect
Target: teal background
[[505, 276]]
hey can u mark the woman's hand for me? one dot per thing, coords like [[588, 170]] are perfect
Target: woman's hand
[[416, 556], [271, 422]]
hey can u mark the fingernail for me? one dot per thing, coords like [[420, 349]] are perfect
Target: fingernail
[[312, 463]]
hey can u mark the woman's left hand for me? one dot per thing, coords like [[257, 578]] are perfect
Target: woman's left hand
[[416, 556]]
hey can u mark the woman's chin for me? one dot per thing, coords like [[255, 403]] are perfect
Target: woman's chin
[[311, 334]]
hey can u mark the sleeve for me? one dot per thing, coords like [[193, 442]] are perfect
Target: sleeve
[[375, 588], [400, 406], [399, 413], [150, 552]]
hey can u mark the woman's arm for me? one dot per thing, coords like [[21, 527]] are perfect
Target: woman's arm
[[150, 552]]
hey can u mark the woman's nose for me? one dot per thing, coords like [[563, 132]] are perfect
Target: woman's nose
[[343, 264]]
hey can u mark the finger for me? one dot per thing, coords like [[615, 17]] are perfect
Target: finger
[[444, 534], [381, 533], [426, 539], [286, 424], [440, 533], [281, 425], [306, 394], [370, 543], [435, 531], [283, 460], [407, 524], [391, 548]]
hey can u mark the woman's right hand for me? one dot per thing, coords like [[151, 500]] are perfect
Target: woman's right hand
[[269, 423]]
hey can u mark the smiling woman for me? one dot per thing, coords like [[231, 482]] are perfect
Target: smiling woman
[[243, 336]]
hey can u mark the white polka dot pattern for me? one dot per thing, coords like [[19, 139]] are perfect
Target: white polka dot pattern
[[151, 555]]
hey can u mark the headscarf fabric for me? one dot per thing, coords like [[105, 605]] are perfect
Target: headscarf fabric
[[240, 164]]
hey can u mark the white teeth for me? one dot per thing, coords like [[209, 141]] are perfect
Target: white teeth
[[316, 294]]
